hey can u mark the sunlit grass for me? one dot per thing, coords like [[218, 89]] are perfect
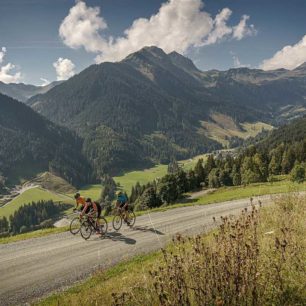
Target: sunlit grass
[[30, 195]]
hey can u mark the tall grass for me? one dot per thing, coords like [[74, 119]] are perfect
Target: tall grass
[[258, 258]]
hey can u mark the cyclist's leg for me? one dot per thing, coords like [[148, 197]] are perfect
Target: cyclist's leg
[[126, 213], [98, 214]]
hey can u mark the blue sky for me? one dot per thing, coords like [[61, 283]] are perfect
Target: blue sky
[[29, 31]]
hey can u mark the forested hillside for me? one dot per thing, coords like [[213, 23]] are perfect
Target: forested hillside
[[30, 144], [282, 152], [152, 106]]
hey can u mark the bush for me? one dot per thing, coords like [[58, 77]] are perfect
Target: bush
[[47, 223], [4, 234], [298, 173], [23, 229]]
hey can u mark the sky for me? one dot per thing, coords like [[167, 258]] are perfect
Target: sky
[[43, 41]]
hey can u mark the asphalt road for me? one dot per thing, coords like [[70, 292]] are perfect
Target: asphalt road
[[33, 268]]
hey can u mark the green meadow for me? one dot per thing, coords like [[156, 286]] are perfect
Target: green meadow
[[34, 194]]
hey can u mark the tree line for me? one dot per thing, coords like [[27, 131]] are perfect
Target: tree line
[[30, 217], [252, 165]]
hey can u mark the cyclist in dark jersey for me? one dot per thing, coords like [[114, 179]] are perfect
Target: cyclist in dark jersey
[[93, 209]]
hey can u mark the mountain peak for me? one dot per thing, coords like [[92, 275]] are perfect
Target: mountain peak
[[182, 61], [301, 67], [152, 55], [149, 52]]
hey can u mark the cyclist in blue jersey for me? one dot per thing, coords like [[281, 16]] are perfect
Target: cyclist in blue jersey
[[123, 204]]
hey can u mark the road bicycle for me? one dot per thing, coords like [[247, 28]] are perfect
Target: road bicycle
[[92, 224], [119, 216], [75, 223]]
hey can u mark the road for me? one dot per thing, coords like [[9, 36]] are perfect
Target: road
[[33, 268]]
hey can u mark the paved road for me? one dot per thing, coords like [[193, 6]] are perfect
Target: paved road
[[33, 268]]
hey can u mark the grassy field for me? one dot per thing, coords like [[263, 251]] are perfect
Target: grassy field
[[34, 194], [129, 179], [54, 183], [233, 193], [90, 191], [273, 270], [223, 127]]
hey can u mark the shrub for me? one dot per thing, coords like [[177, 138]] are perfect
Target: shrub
[[47, 223], [298, 173], [243, 263], [23, 229]]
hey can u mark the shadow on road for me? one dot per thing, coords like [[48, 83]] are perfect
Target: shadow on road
[[147, 229], [114, 236]]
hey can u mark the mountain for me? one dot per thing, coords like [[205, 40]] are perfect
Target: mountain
[[30, 144], [22, 92], [153, 106], [292, 132]]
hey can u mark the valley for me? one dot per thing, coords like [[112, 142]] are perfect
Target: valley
[[152, 153]]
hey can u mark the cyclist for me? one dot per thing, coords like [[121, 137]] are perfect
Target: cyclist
[[93, 210], [123, 204], [79, 201]]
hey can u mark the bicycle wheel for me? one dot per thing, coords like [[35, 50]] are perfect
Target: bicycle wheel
[[131, 218], [103, 225], [86, 229], [75, 225], [117, 222]]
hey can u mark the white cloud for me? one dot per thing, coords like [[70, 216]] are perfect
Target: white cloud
[[236, 61], [289, 57], [6, 72], [2, 54], [45, 82], [64, 68], [242, 29], [221, 29], [81, 28], [177, 26]]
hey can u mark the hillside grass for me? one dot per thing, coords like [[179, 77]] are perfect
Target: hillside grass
[[33, 194], [272, 272], [129, 179], [239, 192], [35, 234], [51, 182], [92, 191], [223, 127]]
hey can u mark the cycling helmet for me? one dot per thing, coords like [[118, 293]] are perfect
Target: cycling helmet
[[88, 200], [119, 193], [77, 195]]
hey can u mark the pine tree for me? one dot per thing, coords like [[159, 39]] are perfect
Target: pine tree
[[173, 167], [210, 164], [200, 172]]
